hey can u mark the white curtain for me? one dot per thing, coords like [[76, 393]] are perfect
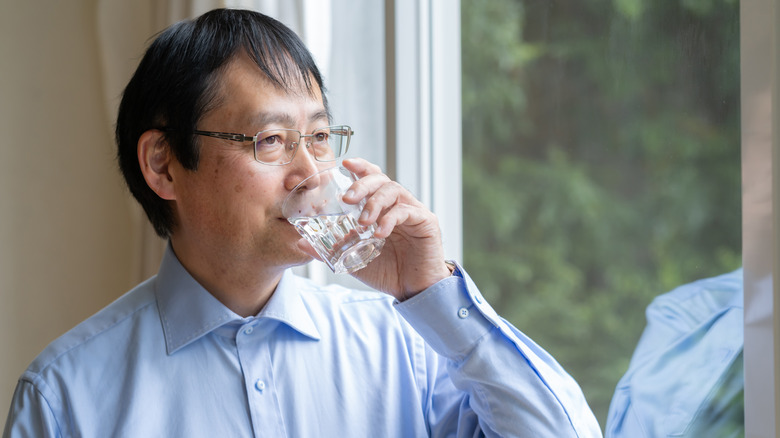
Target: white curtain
[[124, 31]]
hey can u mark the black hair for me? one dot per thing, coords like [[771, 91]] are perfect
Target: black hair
[[176, 83]]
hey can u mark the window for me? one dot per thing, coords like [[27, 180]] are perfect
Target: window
[[601, 166]]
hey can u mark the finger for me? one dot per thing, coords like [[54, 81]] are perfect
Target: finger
[[414, 221], [361, 167], [384, 198], [364, 187]]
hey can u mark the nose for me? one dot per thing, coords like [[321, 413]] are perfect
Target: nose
[[302, 166]]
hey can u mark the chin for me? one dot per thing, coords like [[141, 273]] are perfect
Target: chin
[[284, 246], [293, 256], [297, 261]]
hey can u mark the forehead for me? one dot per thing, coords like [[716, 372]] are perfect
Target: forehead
[[242, 77]]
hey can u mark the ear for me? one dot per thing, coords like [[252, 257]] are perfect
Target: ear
[[154, 157]]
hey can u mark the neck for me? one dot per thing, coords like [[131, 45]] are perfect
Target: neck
[[240, 285]]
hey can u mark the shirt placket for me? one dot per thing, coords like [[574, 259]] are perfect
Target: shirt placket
[[256, 366]]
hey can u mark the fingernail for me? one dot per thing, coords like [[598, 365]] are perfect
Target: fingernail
[[363, 216], [350, 193]]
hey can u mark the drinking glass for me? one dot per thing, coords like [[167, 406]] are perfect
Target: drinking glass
[[331, 226]]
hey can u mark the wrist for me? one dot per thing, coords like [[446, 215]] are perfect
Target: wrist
[[446, 270]]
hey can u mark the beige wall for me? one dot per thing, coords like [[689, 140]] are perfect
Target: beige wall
[[66, 234]]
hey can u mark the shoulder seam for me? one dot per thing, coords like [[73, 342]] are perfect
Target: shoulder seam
[[35, 380], [96, 332]]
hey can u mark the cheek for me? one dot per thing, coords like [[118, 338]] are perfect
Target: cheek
[[262, 188], [239, 189], [239, 186], [253, 190]]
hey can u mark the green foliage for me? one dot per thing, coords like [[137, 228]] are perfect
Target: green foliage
[[601, 166]]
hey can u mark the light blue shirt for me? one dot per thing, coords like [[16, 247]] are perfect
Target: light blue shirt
[[686, 376], [167, 359]]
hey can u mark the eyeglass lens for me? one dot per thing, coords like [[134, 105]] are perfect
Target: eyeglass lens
[[278, 146]]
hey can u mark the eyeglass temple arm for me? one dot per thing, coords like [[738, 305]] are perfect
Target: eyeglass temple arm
[[225, 135]]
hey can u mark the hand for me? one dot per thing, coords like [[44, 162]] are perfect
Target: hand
[[412, 258]]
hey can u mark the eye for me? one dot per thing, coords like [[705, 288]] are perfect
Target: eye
[[320, 137], [271, 140]]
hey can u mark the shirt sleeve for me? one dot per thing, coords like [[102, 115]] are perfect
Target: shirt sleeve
[[512, 385], [30, 414], [685, 376]]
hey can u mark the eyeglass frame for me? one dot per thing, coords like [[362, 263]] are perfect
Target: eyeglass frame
[[245, 138]]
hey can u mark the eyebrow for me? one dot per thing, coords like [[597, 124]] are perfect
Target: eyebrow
[[264, 119]]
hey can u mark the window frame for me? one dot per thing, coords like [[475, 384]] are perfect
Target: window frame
[[760, 183], [423, 71]]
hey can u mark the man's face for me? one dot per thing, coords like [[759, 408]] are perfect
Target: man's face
[[230, 208]]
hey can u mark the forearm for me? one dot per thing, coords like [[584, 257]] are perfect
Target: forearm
[[514, 386]]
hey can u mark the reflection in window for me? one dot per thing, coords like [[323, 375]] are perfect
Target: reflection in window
[[600, 166]]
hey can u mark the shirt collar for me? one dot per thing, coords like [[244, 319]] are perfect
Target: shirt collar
[[286, 305], [188, 311]]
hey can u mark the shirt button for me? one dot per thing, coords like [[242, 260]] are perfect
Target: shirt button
[[260, 385], [463, 313], [248, 330]]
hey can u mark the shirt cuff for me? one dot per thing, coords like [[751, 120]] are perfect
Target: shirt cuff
[[449, 315]]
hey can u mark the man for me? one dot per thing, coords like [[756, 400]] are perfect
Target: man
[[686, 376], [225, 340]]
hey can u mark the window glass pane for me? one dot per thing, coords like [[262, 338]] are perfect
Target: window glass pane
[[601, 166]]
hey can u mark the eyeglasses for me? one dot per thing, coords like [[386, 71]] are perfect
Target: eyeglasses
[[277, 147]]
